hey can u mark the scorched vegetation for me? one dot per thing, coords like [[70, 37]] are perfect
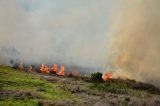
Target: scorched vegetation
[[21, 88]]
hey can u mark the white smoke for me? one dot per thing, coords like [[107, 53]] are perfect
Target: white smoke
[[47, 31]]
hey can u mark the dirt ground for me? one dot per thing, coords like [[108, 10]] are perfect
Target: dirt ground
[[79, 88]]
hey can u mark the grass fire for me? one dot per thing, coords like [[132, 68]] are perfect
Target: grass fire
[[79, 53], [45, 69], [52, 86]]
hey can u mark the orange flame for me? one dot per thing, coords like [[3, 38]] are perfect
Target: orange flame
[[44, 68], [54, 68], [107, 76], [61, 72]]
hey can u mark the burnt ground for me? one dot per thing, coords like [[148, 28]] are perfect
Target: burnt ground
[[18, 94], [141, 94]]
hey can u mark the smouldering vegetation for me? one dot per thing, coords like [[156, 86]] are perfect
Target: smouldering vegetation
[[20, 88]]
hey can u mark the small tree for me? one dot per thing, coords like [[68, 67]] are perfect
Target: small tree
[[97, 77]]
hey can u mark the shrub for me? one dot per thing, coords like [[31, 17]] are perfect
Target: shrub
[[97, 77]]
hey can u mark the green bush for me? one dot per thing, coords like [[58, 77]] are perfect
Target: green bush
[[97, 77]]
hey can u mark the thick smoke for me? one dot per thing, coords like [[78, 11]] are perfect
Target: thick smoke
[[78, 33], [54, 31], [136, 40]]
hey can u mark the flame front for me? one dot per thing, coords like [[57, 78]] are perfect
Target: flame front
[[61, 72], [45, 69], [54, 68], [107, 76]]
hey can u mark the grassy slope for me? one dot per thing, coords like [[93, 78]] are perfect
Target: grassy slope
[[19, 88], [13, 81]]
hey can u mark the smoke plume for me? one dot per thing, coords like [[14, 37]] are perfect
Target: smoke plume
[[136, 40], [79, 33], [54, 31]]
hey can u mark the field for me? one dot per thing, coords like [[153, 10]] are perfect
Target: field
[[19, 88]]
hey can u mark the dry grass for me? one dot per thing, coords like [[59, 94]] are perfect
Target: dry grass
[[30, 89]]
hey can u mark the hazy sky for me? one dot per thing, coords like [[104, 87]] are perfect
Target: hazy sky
[[67, 31]]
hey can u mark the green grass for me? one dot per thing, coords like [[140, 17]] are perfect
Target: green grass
[[14, 102], [110, 87], [11, 79], [138, 93], [119, 88]]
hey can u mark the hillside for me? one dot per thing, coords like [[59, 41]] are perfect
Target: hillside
[[19, 88]]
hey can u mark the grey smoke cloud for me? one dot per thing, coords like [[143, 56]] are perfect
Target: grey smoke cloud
[[136, 40], [47, 31], [121, 34]]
